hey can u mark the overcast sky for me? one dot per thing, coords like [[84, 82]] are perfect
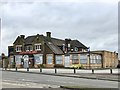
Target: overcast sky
[[93, 23]]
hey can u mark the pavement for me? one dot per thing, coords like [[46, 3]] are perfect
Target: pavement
[[98, 76]]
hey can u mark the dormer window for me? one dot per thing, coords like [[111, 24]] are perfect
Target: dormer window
[[76, 49], [18, 48], [68, 45], [29, 48], [63, 47], [38, 47]]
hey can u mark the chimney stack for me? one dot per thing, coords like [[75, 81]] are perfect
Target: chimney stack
[[22, 36], [48, 34]]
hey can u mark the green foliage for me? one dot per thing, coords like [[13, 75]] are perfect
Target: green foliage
[[77, 66], [42, 66]]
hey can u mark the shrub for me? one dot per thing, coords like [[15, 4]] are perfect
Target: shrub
[[77, 66]]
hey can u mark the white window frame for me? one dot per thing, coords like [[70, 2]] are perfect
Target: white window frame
[[27, 48], [68, 45], [18, 48], [38, 47]]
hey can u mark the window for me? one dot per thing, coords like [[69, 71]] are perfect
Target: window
[[83, 59], [59, 59], [99, 59], [29, 48], [92, 59], [38, 47], [95, 59], [18, 48], [49, 59], [63, 48], [68, 45], [75, 59], [76, 49], [18, 59], [38, 58]]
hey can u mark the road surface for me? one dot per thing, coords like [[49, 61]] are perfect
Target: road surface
[[18, 79]]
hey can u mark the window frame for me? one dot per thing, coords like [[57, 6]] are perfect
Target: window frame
[[28, 48], [38, 47], [50, 58], [83, 59], [75, 59], [58, 59], [18, 48]]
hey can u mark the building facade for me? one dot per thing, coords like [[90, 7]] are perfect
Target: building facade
[[45, 51], [40, 50], [109, 59]]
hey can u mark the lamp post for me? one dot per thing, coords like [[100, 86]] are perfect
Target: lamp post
[[89, 57]]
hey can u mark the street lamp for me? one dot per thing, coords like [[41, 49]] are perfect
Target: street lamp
[[89, 56]]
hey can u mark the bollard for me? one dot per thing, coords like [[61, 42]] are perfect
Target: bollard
[[92, 71], [27, 69], [74, 70], [111, 71], [40, 69], [5, 68], [55, 70], [16, 68]]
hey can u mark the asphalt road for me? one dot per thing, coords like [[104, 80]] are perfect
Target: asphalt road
[[17, 80]]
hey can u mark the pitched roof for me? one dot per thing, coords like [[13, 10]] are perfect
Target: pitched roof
[[76, 43], [29, 39], [54, 48], [58, 42]]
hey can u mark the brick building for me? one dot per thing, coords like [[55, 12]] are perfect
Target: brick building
[[39, 50]]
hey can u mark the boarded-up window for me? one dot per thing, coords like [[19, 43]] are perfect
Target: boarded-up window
[[18, 59], [83, 58], [38, 58], [75, 59], [49, 59], [59, 59]]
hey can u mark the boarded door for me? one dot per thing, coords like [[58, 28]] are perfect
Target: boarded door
[[26, 61]]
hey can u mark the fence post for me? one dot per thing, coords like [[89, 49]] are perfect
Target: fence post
[[74, 70], [40, 69], [55, 70], [27, 69], [92, 71], [111, 71], [16, 68]]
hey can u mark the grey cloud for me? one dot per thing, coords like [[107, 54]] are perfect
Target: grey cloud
[[91, 23]]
